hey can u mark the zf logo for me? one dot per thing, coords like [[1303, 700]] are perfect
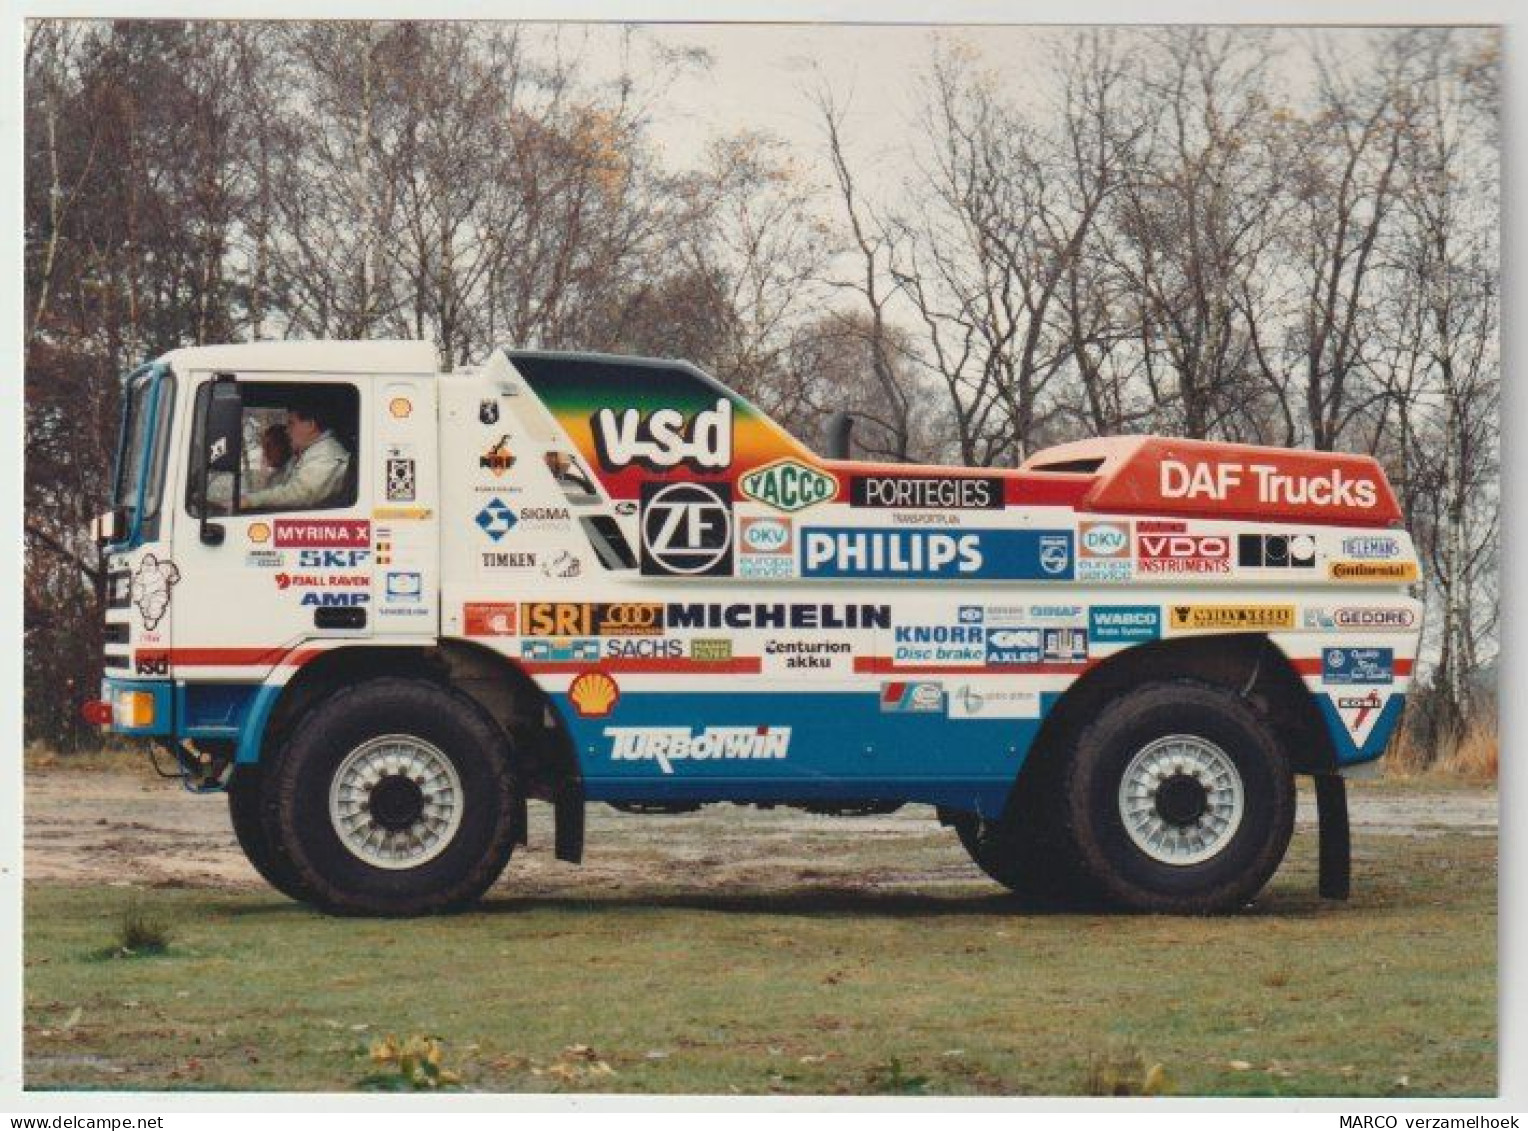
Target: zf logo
[[687, 529]]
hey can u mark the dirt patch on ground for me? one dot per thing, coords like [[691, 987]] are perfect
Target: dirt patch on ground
[[129, 829]]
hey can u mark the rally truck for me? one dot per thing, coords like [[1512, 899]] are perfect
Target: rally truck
[[575, 578]]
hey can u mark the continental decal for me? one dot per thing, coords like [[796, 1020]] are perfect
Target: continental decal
[[1373, 571], [1212, 618]]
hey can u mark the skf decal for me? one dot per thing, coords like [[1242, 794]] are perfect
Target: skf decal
[[594, 695], [664, 439], [667, 745], [1231, 618], [788, 485], [151, 589]]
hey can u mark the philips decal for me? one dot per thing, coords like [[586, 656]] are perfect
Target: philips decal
[[858, 552]]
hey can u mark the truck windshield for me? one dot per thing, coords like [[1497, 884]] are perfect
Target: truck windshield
[[137, 486]]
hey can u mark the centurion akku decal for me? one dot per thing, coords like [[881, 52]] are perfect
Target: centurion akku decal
[[629, 585], [849, 551]]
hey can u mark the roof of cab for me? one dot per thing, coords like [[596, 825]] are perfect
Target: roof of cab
[[378, 358]]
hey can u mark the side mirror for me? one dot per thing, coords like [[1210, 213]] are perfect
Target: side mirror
[[222, 454]]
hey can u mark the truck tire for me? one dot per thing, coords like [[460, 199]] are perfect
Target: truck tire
[[245, 804], [395, 798], [1179, 800]]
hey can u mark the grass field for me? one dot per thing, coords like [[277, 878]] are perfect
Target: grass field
[[726, 953]]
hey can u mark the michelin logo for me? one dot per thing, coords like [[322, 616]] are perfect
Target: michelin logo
[[667, 745]]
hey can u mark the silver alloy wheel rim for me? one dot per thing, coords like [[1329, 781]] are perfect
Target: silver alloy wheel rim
[[1224, 801], [396, 756]]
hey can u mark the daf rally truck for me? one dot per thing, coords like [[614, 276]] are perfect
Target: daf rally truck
[[576, 578]]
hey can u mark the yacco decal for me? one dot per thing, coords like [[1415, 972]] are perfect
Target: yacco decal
[[1124, 624], [576, 391], [339, 532], [1357, 665], [1013, 554], [927, 492], [788, 485]]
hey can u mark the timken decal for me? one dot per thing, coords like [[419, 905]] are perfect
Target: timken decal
[[1231, 617], [343, 533]]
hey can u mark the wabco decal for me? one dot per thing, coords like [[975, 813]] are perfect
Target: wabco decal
[[1015, 554], [667, 745], [664, 439], [1124, 624]]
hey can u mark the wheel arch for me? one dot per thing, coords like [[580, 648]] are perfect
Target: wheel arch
[[536, 739], [1250, 664]]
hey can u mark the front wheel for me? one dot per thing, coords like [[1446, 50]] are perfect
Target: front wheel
[[395, 798], [1179, 799]]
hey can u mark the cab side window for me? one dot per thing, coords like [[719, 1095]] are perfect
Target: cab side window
[[299, 451]]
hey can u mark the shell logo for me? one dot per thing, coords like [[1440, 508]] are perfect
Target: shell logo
[[594, 695], [259, 532], [400, 407]]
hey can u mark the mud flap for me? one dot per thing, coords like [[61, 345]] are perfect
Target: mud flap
[[520, 822], [1336, 869], [568, 813]]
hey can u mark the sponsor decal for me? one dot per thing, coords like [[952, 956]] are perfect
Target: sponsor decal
[[857, 552], [710, 651], [970, 614], [1361, 617], [404, 586], [939, 644], [1124, 624], [788, 485], [488, 411], [151, 663], [1360, 711], [1231, 617], [259, 532], [1357, 665], [624, 506], [407, 514], [566, 619], [489, 619], [265, 559], [1104, 540], [498, 459], [912, 698], [1183, 553], [333, 600], [1269, 486], [765, 536], [643, 648], [594, 695], [1373, 571], [970, 701], [1276, 551], [506, 560], [687, 528], [343, 533], [1065, 645], [766, 565], [400, 407], [332, 559], [544, 518], [801, 655], [926, 492], [496, 518], [764, 616], [1055, 612], [560, 651], [1013, 646], [152, 582], [322, 580], [400, 479], [664, 439], [667, 745], [562, 564], [1370, 546]]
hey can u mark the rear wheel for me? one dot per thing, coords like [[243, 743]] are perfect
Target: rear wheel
[[1179, 799], [395, 798]]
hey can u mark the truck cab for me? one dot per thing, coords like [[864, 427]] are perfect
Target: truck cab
[[385, 608]]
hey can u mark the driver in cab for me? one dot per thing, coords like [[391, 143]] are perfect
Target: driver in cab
[[315, 475]]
